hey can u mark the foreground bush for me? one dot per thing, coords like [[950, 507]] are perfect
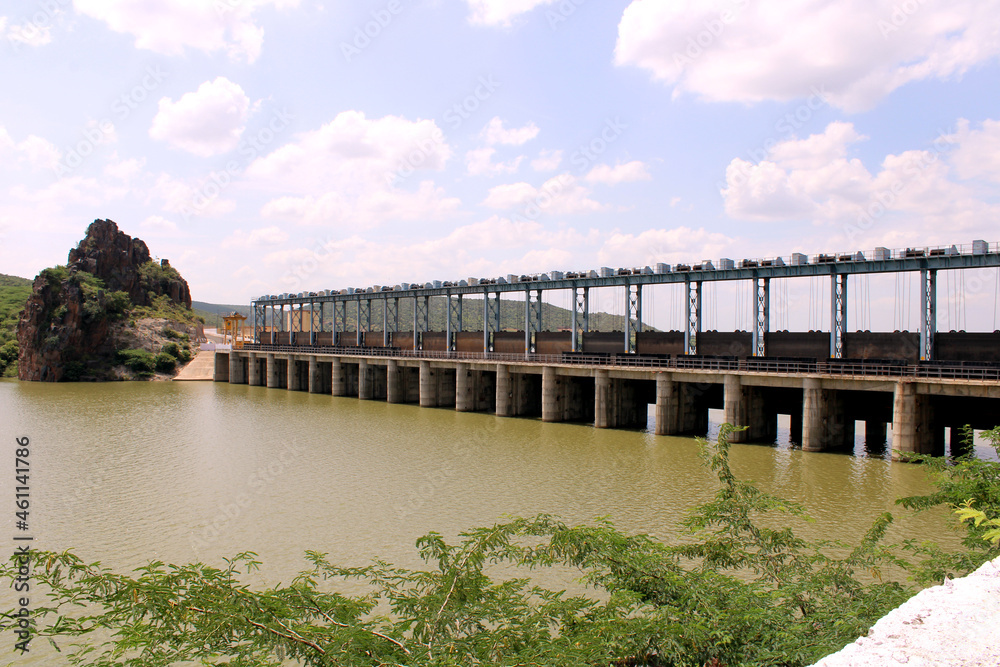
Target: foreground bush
[[738, 594]]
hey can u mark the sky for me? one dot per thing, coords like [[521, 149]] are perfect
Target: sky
[[269, 146]]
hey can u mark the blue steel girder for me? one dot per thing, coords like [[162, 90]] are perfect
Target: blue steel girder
[[454, 324], [390, 320], [928, 309], [838, 314], [491, 317], [421, 318], [339, 315], [312, 321], [532, 317], [633, 318], [936, 262], [581, 316], [762, 315], [693, 311], [259, 321], [364, 319]]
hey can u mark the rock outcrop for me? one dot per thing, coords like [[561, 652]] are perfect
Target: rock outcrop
[[76, 318]]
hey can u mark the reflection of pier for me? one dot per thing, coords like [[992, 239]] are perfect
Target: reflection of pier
[[920, 383]]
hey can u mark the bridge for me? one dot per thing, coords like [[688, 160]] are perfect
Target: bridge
[[921, 383]]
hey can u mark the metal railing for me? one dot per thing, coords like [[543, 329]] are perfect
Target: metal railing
[[986, 371]]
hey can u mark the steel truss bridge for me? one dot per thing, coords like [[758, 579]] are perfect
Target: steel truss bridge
[[269, 311]]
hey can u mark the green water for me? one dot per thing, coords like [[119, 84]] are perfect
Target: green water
[[128, 472]]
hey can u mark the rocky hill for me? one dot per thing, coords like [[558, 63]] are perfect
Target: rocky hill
[[106, 313]]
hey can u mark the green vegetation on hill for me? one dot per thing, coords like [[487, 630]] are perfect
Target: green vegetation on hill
[[14, 292]]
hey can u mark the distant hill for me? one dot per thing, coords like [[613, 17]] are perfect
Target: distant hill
[[511, 316], [213, 312], [14, 293]]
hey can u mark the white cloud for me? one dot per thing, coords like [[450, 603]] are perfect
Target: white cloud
[[159, 225], [496, 133], [206, 122], [354, 152], [681, 244], [189, 198], [480, 162], [39, 153], [501, 12], [560, 195], [978, 151], [368, 209], [171, 26], [858, 51], [547, 160], [30, 33], [622, 173], [912, 197], [263, 237], [357, 171]]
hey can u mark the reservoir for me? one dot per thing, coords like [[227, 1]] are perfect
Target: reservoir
[[129, 472]]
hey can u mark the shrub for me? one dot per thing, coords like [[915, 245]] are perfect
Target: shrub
[[117, 304], [185, 355], [140, 362], [172, 349], [166, 363], [170, 333]]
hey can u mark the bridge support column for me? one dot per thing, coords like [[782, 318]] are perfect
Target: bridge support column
[[220, 372], [912, 422], [393, 383], [366, 380], [463, 388], [337, 379], [255, 379], [296, 381], [734, 406], [237, 368], [552, 395], [315, 381], [603, 400], [503, 391], [666, 405], [272, 372], [825, 424], [428, 386]]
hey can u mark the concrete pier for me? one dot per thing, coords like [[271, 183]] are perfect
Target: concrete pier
[[503, 392], [272, 372], [339, 387], [366, 381], [823, 409], [666, 411], [256, 376]]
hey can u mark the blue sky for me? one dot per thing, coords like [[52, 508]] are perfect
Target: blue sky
[[285, 145]]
